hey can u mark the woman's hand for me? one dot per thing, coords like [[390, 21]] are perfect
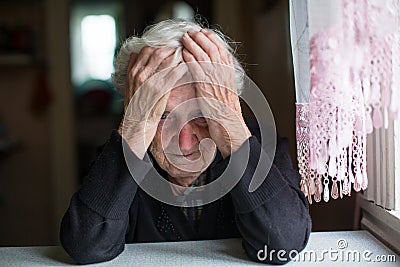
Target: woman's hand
[[211, 65], [151, 75]]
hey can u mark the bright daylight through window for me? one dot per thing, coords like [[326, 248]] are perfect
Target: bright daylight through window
[[98, 38], [93, 43]]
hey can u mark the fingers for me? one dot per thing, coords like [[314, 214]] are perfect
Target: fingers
[[172, 60], [132, 60], [158, 56], [199, 40], [168, 78], [161, 83], [136, 62], [146, 64], [206, 46], [154, 61], [193, 66], [128, 91], [197, 49], [148, 102], [223, 51], [187, 56], [141, 61]]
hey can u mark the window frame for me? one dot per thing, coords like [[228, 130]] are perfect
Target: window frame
[[384, 224]]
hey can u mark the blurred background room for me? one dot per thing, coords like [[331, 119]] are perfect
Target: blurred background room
[[57, 104]]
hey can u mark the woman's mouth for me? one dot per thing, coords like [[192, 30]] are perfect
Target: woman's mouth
[[190, 156]]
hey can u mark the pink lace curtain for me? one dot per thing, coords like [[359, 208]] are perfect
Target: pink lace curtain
[[346, 57]]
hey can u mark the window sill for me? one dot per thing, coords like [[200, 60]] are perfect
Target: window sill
[[395, 213], [383, 224]]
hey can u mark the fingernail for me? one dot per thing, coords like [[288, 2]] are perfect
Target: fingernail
[[185, 35]]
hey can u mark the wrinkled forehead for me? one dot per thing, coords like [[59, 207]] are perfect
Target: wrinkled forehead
[[181, 94]]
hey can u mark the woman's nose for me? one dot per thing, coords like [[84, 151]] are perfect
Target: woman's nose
[[187, 137]]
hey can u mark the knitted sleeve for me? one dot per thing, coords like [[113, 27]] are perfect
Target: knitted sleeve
[[94, 226], [275, 216]]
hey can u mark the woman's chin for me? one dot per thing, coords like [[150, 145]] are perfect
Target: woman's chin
[[184, 181]]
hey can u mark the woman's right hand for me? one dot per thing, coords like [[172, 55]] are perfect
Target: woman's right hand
[[151, 75]]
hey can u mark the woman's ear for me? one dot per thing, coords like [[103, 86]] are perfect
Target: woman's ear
[[132, 60]]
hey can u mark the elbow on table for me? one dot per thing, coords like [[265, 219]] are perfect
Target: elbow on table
[[86, 254], [87, 250]]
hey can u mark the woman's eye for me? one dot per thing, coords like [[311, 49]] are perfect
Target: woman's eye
[[164, 116], [200, 120], [199, 115]]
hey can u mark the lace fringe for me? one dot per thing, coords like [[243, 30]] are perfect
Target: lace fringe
[[354, 87]]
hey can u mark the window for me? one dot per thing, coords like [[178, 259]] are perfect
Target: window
[[397, 167], [98, 45], [94, 35], [380, 203]]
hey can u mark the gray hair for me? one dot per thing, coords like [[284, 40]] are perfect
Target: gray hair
[[167, 33]]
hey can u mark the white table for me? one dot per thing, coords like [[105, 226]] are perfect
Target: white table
[[226, 252]]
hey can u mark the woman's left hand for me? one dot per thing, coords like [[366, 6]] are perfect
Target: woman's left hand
[[211, 65]]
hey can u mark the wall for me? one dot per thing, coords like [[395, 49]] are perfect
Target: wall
[[37, 177], [25, 183], [24, 175]]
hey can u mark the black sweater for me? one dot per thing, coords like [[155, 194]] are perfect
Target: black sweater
[[110, 210]]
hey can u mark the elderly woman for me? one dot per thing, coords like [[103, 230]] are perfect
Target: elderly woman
[[182, 114]]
